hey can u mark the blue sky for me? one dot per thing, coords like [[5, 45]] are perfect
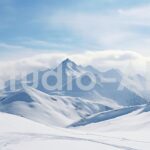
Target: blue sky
[[41, 26]]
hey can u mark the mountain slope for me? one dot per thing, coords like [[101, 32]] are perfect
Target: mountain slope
[[126, 129], [128, 118], [103, 116], [19, 133], [52, 109]]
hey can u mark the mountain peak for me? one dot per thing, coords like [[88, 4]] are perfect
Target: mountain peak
[[70, 67], [67, 61]]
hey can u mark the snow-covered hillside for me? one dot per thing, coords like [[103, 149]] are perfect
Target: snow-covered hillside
[[52, 109], [107, 115], [130, 129], [19, 133], [135, 120]]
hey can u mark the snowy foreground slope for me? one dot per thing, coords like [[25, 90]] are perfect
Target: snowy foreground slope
[[120, 128], [125, 129], [17, 133]]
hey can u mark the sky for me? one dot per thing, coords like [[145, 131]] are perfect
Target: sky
[[73, 26]]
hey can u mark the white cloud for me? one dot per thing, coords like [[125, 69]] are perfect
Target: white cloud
[[138, 12], [41, 43], [13, 51], [29, 47], [115, 29], [100, 59], [104, 30]]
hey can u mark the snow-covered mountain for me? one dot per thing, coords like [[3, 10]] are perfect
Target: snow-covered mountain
[[52, 109], [110, 84], [115, 107], [65, 107]]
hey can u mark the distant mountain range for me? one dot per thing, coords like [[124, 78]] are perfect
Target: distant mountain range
[[112, 91]]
